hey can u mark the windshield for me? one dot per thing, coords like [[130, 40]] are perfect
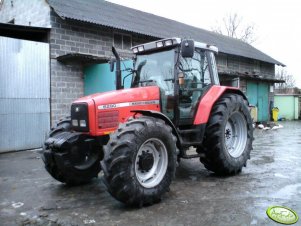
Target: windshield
[[154, 69]]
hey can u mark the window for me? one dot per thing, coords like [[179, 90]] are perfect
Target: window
[[196, 74], [157, 69], [214, 69], [256, 66], [196, 69], [122, 41], [222, 60]]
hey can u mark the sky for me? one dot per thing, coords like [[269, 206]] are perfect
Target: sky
[[277, 23]]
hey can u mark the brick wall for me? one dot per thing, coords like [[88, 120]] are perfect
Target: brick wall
[[26, 12], [66, 37]]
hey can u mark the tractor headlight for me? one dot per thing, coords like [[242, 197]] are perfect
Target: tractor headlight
[[80, 117], [74, 122], [82, 123]]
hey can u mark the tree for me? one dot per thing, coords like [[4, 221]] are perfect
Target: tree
[[232, 25], [289, 83]]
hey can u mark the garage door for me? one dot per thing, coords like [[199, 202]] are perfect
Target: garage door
[[24, 94]]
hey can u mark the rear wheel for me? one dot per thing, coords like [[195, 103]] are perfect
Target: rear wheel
[[140, 161], [77, 162], [228, 136]]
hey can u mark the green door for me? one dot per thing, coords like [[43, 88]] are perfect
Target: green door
[[252, 93], [258, 95], [263, 102], [98, 78]]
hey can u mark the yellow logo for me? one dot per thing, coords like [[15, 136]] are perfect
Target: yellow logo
[[282, 214]]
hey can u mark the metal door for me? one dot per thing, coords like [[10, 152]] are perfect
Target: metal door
[[258, 95], [252, 93], [24, 94], [263, 102]]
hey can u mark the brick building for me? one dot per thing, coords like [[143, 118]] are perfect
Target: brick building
[[81, 33]]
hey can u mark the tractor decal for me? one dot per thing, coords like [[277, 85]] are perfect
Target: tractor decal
[[127, 104]]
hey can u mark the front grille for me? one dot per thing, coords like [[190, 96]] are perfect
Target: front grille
[[109, 119], [79, 113]]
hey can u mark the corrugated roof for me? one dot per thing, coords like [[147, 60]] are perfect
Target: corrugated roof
[[120, 17]]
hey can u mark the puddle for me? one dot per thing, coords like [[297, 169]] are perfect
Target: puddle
[[17, 204], [288, 192], [281, 176]]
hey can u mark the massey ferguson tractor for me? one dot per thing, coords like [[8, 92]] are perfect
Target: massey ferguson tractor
[[138, 135]]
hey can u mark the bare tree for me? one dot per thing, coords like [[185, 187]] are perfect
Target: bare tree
[[289, 83], [232, 25]]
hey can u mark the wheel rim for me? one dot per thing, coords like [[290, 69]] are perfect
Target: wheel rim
[[82, 156], [151, 163], [236, 134]]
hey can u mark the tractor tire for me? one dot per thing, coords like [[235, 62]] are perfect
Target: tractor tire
[[228, 136], [140, 161], [60, 163]]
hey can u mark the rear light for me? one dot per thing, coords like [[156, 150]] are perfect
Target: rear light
[[109, 119]]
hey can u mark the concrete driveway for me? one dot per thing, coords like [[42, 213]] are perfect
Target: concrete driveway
[[29, 196]]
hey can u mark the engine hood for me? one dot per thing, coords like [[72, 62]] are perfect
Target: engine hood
[[122, 96]]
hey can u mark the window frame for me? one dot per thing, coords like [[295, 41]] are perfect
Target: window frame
[[122, 39], [224, 58]]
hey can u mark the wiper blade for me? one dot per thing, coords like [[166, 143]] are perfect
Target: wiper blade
[[169, 79], [143, 81]]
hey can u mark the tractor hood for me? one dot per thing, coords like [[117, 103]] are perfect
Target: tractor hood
[[122, 97], [107, 110]]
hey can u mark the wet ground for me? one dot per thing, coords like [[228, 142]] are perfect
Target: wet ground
[[29, 196]]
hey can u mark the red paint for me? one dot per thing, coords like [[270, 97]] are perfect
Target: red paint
[[116, 97], [207, 102]]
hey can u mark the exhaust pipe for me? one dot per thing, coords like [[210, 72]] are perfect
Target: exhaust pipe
[[118, 71]]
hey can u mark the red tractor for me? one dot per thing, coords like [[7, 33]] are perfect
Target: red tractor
[[138, 135]]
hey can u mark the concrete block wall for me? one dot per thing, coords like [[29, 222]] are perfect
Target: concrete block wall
[[26, 12], [67, 36], [242, 65]]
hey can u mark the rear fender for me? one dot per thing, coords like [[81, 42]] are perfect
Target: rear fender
[[209, 99]]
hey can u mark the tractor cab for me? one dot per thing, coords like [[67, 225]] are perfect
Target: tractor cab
[[183, 70]]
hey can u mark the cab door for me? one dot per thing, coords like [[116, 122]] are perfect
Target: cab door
[[195, 72]]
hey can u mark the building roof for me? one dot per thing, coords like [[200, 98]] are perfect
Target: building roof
[[120, 17], [24, 32]]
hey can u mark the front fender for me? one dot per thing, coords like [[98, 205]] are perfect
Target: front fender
[[157, 114]]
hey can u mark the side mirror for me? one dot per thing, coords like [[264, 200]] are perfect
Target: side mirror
[[112, 64], [187, 48]]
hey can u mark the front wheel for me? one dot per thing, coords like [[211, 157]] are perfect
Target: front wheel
[[228, 136], [140, 161], [76, 161]]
